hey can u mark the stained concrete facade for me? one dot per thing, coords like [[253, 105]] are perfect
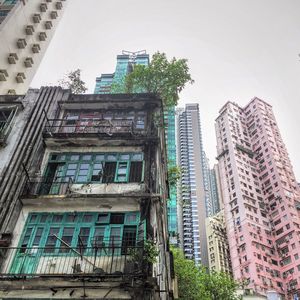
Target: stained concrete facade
[[49, 188]]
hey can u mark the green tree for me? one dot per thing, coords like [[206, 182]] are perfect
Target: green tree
[[174, 174], [72, 81], [195, 283], [166, 78]]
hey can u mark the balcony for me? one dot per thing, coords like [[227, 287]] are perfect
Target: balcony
[[47, 188], [95, 131], [105, 259]]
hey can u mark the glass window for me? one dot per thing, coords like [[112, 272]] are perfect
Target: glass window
[[122, 172], [66, 239], [51, 240], [74, 157], [83, 237], [83, 173], [57, 218], [103, 218]]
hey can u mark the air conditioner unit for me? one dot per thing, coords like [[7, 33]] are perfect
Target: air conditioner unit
[[53, 14], [48, 24], [20, 77], [28, 62], [58, 5], [36, 18], [21, 43], [43, 7], [42, 36], [3, 75], [12, 58], [36, 48], [29, 30]]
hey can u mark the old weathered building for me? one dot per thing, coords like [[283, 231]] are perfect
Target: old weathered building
[[83, 197]]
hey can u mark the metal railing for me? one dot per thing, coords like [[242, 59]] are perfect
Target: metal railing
[[108, 127], [102, 261], [6, 126], [48, 186]]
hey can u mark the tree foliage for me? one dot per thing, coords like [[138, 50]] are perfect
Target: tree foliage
[[195, 283], [174, 174], [72, 81], [166, 78]]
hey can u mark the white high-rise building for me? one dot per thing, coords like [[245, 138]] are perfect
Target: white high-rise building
[[193, 192], [26, 29]]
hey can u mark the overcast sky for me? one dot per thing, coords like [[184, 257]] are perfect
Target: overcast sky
[[237, 49]]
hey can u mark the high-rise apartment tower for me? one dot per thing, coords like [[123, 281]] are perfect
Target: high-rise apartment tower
[[192, 161], [261, 199], [26, 29]]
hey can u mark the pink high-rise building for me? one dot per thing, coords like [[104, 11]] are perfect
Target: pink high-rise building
[[261, 200]]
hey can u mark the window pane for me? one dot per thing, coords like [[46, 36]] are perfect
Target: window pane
[[38, 235], [81, 179], [99, 237], [99, 157], [51, 240], [124, 157], [131, 218], [71, 218], [115, 236], [137, 156], [87, 218], [33, 218], [86, 157], [111, 157], [117, 218], [66, 239], [57, 218], [72, 166], [74, 157], [103, 218], [84, 166]]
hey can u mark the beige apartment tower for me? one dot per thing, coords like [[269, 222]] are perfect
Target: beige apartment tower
[[26, 29]]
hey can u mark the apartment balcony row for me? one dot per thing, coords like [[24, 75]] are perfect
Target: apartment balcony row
[[103, 259]]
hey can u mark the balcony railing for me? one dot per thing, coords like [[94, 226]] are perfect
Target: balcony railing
[[102, 261], [108, 127], [6, 126], [48, 186]]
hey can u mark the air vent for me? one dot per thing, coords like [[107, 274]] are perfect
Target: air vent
[[21, 43], [3, 75], [48, 25], [29, 30], [58, 5], [20, 77], [12, 58], [36, 48], [48, 0], [28, 62], [43, 7], [36, 18], [42, 36], [53, 14]]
